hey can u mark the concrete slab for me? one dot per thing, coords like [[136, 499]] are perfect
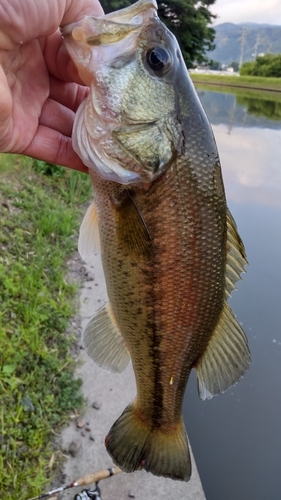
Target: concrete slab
[[111, 393]]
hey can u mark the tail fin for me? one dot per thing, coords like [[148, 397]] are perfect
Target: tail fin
[[133, 445]]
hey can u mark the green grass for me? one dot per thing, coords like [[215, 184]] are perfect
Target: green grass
[[40, 212], [253, 82], [241, 92]]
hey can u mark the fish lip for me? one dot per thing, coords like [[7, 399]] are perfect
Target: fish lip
[[126, 15], [132, 10], [68, 28]]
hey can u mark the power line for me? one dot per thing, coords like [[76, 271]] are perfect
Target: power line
[[243, 42]]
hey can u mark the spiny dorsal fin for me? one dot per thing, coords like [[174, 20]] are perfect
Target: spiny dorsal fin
[[89, 239], [104, 342], [131, 229], [225, 359], [236, 257]]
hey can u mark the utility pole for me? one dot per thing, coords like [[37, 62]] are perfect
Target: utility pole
[[243, 42], [256, 46]]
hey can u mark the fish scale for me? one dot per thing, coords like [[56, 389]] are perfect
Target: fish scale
[[182, 301], [170, 248]]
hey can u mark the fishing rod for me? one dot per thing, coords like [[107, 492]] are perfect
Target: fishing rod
[[95, 477]]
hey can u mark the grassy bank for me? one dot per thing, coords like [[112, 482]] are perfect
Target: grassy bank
[[246, 82], [242, 93], [40, 210]]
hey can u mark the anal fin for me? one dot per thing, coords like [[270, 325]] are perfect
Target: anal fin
[[104, 342], [225, 359]]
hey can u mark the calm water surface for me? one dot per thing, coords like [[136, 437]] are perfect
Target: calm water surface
[[236, 437]]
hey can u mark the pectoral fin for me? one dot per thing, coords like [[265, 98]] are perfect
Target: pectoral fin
[[104, 342], [131, 231], [225, 359], [89, 239]]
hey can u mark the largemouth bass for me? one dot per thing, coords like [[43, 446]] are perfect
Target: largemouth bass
[[170, 249]]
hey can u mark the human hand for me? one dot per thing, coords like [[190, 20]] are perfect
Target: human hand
[[40, 89]]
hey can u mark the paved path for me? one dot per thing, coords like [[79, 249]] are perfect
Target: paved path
[[112, 393]]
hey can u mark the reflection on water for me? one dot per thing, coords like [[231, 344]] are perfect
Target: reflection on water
[[242, 110], [261, 107], [250, 159], [236, 437]]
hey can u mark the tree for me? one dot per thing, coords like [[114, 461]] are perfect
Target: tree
[[234, 65], [268, 65], [270, 109], [189, 21], [247, 68], [214, 65]]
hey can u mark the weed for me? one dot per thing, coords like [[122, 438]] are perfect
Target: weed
[[250, 82], [40, 211]]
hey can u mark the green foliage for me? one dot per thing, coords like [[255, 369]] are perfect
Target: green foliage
[[41, 167], [234, 65], [40, 215], [247, 68], [215, 65], [268, 108], [266, 66], [189, 21]]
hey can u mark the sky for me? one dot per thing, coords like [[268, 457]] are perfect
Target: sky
[[255, 11], [259, 151]]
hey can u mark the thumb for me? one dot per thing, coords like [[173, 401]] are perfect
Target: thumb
[[77, 9]]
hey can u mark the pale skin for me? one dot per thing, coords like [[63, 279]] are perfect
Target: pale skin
[[39, 86]]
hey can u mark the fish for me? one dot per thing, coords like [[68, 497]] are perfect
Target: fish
[[170, 248]]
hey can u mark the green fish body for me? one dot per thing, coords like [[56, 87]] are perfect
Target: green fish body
[[170, 249]]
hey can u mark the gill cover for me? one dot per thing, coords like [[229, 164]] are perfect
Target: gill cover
[[126, 129]]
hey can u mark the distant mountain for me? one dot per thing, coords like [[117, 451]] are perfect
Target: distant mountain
[[248, 39]]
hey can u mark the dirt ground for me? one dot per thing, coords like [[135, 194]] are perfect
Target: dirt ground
[[106, 396]]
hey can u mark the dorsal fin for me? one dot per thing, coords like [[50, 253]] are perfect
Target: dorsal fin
[[104, 342], [236, 256], [89, 239]]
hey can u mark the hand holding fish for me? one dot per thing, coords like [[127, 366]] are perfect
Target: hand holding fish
[[39, 86]]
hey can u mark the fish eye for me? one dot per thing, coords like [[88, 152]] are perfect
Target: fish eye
[[158, 59]]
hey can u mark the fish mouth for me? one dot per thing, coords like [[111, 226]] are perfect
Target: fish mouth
[[114, 26], [130, 13], [101, 49]]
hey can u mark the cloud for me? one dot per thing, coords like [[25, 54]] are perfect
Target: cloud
[[258, 11], [250, 163]]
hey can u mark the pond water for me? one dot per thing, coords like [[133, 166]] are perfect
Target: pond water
[[236, 437]]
